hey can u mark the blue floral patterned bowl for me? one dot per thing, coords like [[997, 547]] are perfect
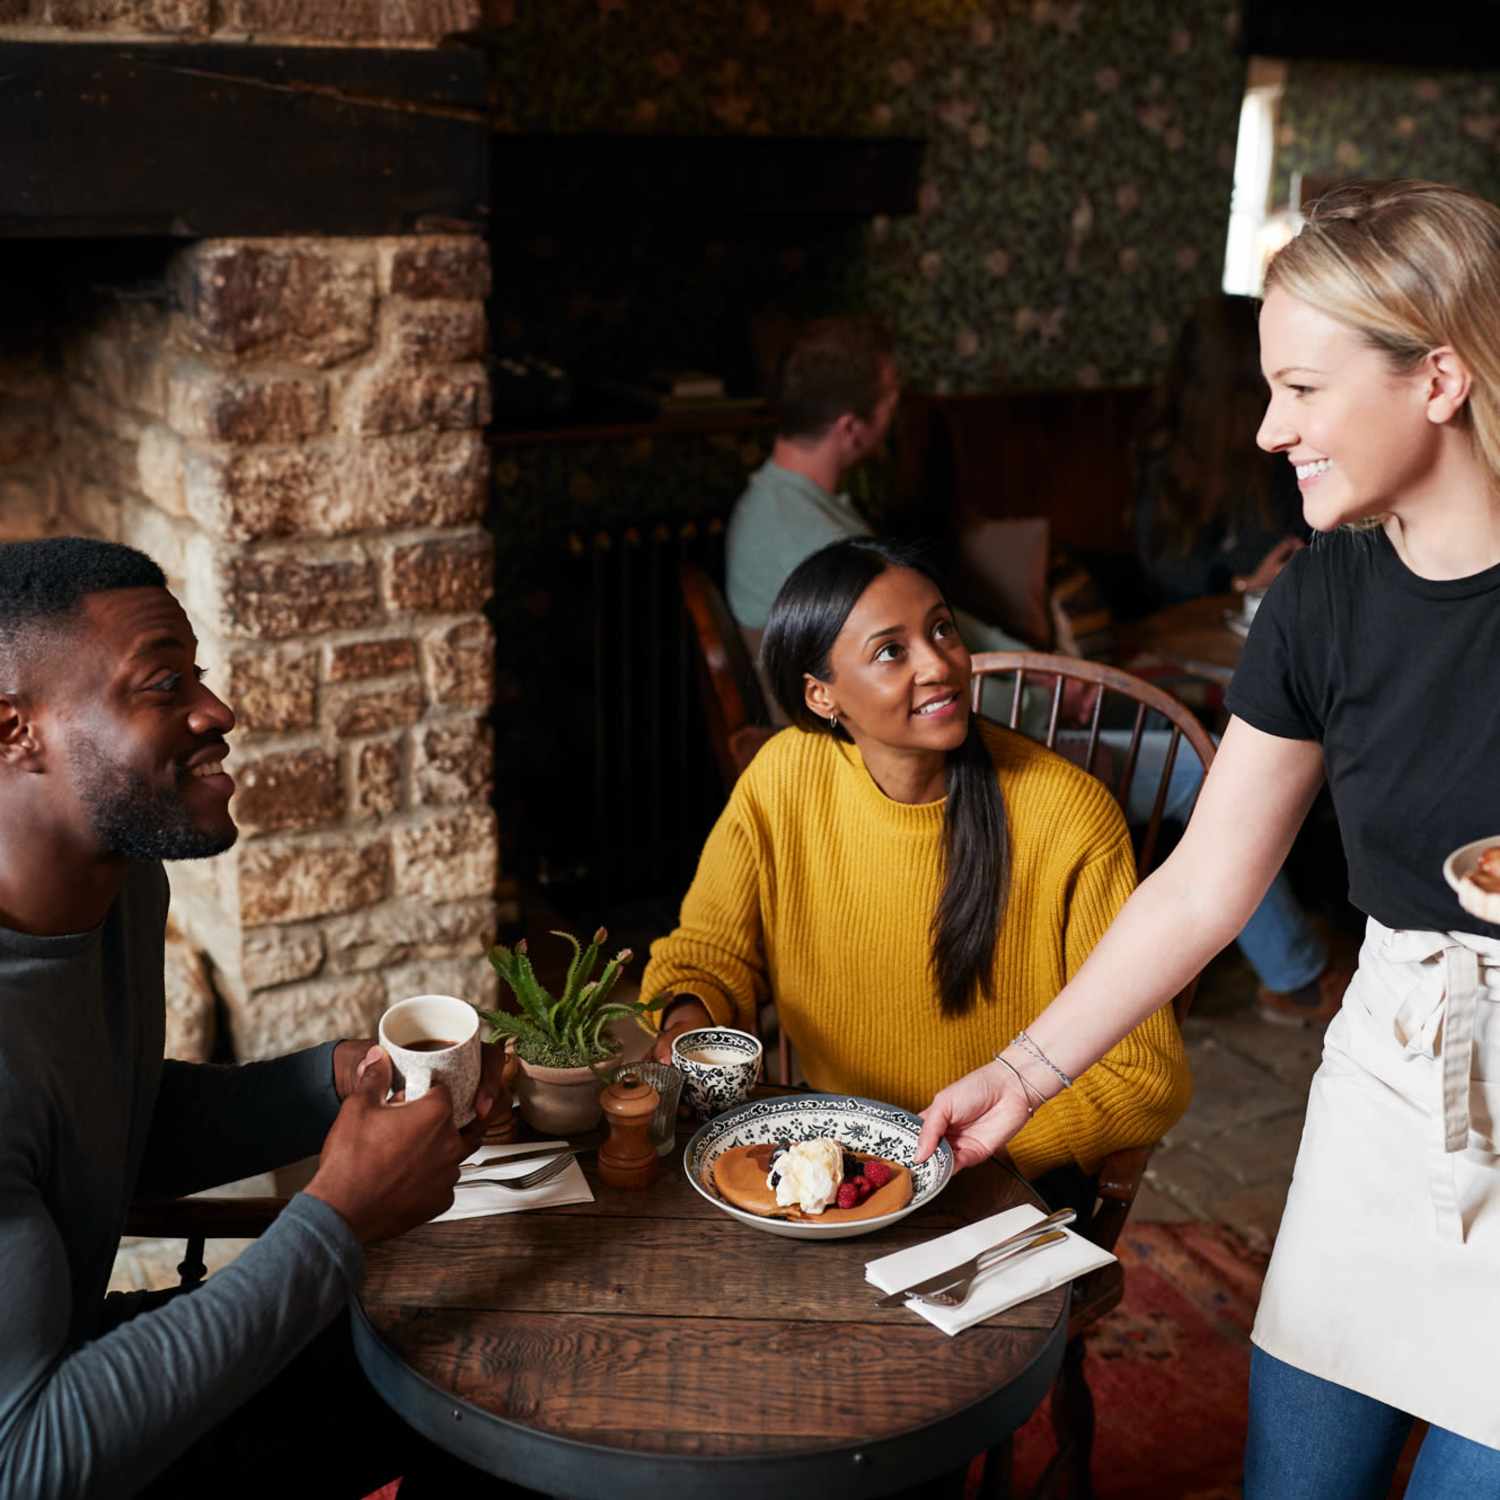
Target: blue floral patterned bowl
[[719, 1066], [858, 1124]]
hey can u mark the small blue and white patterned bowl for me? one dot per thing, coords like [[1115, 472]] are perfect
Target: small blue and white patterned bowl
[[719, 1066], [858, 1124]]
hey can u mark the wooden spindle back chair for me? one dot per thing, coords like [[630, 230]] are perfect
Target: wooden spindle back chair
[[1119, 1176], [1038, 667]]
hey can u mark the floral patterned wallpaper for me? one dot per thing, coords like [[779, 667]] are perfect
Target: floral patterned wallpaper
[[1074, 204], [1077, 175], [1356, 120]]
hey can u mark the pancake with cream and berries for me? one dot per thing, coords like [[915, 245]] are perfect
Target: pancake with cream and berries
[[816, 1181]]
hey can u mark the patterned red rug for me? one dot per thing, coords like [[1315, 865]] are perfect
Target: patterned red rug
[[1170, 1372], [1169, 1369]]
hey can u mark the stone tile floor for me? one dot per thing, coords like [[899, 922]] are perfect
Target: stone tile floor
[[1228, 1161]]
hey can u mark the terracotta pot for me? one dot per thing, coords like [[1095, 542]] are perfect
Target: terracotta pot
[[558, 1101]]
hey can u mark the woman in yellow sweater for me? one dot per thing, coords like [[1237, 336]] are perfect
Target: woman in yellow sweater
[[909, 884]]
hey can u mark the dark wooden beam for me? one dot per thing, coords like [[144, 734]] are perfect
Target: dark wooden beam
[[582, 176], [188, 140], [1381, 31]]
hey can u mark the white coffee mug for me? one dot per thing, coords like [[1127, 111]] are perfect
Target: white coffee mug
[[407, 1031]]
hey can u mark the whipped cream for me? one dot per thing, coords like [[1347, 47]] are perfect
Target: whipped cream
[[808, 1175]]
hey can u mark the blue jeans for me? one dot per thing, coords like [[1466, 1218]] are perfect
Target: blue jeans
[[1278, 940], [1313, 1440]]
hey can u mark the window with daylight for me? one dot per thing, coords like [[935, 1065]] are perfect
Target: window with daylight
[[1255, 233]]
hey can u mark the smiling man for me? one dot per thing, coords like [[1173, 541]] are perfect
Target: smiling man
[[112, 751]]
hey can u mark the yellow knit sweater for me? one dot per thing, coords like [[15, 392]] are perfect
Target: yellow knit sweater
[[817, 891]]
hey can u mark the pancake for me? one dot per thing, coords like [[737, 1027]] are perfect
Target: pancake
[[740, 1175]]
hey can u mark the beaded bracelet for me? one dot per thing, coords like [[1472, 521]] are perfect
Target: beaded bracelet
[[1026, 1089], [1022, 1039]]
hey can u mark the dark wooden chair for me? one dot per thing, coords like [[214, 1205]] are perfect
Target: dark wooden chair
[[734, 705], [739, 722], [198, 1220], [1119, 1177]]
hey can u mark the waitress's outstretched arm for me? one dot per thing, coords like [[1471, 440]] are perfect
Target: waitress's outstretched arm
[[1252, 803]]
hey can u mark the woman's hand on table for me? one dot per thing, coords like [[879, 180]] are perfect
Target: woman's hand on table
[[1268, 567], [686, 1014], [977, 1115]]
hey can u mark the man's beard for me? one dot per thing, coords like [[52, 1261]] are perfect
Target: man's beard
[[134, 820]]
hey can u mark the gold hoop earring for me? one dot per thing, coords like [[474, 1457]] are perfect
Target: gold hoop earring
[[833, 723]]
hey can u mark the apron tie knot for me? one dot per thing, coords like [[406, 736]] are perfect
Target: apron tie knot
[[1439, 1023]]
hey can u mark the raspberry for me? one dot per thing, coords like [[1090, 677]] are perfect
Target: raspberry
[[848, 1195], [877, 1174], [862, 1187]]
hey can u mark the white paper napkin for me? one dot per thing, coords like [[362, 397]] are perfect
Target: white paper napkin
[[1009, 1283], [569, 1186]]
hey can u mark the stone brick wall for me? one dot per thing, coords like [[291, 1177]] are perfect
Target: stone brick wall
[[292, 428], [28, 432], [418, 22]]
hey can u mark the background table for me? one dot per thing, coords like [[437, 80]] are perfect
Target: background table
[[646, 1344], [1192, 637]]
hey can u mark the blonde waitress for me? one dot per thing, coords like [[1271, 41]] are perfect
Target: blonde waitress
[[1374, 662]]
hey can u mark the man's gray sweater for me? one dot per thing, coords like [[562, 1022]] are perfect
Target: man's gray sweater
[[90, 1118]]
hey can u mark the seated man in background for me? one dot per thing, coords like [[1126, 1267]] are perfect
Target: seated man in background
[[837, 390], [111, 752], [836, 394]]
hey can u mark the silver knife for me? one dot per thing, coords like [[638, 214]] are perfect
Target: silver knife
[[976, 1262], [500, 1161]]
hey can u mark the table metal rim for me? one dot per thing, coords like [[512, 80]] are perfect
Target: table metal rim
[[594, 1471]]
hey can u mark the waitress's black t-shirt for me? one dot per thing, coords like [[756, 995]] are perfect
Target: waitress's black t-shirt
[[1398, 677]]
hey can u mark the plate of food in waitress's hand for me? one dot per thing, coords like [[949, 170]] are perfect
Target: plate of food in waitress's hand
[[1474, 873], [815, 1166]]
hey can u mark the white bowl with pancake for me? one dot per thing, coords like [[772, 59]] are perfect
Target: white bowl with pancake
[[863, 1127], [1460, 870]]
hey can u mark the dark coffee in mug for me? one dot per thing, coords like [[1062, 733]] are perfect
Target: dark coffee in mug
[[428, 1044]]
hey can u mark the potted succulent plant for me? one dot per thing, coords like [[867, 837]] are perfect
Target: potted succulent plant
[[562, 1042]]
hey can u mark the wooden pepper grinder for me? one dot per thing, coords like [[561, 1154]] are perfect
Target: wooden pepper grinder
[[502, 1126], [628, 1159]]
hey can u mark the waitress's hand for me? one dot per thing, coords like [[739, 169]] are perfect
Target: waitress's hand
[[1268, 567], [683, 1015], [977, 1115]]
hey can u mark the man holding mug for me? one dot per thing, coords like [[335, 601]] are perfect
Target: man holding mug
[[111, 752]]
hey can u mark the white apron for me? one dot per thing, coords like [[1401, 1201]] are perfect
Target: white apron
[[1386, 1272]]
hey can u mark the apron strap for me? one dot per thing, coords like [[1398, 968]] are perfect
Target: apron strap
[[1460, 1001], [1438, 1023], [1462, 965]]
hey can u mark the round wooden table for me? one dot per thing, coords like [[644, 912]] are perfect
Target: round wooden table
[[646, 1344], [1194, 637]]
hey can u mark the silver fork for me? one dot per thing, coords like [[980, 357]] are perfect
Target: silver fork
[[986, 1258], [957, 1294], [534, 1178]]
